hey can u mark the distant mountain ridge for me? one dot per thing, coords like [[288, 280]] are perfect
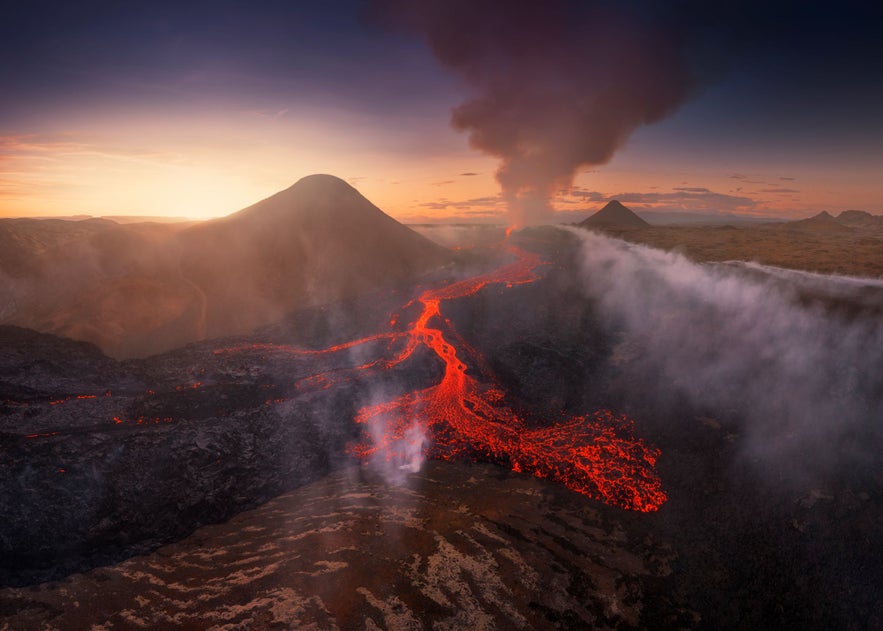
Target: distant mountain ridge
[[847, 221], [822, 222], [860, 219], [144, 288]]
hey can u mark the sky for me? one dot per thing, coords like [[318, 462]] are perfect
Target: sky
[[153, 108]]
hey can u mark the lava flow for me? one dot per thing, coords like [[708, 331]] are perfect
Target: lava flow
[[596, 455]]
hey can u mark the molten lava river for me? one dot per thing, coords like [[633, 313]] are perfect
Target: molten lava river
[[597, 455]]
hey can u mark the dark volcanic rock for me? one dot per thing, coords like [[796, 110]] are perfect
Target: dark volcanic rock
[[459, 546], [199, 434], [91, 474]]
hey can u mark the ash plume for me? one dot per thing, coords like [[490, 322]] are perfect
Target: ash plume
[[557, 85]]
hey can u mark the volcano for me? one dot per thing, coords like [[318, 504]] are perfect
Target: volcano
[[317, 242], [140, 289], [560, 430], [614, 215]]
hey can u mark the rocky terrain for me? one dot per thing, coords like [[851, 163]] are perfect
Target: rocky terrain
[[103, 458], [457, 546], [106, 459]]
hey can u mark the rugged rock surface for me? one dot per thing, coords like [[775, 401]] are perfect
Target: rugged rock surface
[[212, 429], [456, 546], [102, 458]]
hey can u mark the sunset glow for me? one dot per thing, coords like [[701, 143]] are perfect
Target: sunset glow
[[170, 121]]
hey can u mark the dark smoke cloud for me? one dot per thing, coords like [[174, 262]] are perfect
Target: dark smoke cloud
[[558, 84], [562, 84]]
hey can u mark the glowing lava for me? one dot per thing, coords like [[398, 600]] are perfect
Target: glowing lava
[[596, 455]]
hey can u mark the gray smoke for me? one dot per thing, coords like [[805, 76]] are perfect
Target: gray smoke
[[558, 84], [798, 356]]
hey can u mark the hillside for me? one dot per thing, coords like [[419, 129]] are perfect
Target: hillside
[[139, 289]]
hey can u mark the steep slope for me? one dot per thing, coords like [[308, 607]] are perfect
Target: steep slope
[[319, 241], [614, 215], [140, 289]]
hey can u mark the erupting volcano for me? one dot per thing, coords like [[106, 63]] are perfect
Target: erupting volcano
[[522, 356], [465, 416]]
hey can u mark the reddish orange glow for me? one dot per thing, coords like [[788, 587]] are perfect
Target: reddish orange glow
[[463, 416], [144, 420], [78, 397], [597, 455]]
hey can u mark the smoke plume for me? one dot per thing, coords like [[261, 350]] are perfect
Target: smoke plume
[[557, 85], [797, 356]]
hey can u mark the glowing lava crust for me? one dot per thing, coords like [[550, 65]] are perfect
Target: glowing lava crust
[[597, 455]]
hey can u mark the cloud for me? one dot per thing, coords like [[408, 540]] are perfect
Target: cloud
[[591, 196], [48, 147], [702, 200], [468, 174], [495, 201], [779, 190], [556, 86]]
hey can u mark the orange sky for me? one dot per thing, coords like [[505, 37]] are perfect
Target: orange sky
[[209, 164], [200, 109]]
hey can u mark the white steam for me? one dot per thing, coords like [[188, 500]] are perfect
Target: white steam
[[759, 343], [398, 440]]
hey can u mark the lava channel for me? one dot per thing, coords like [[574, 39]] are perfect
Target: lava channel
[[597, 455]]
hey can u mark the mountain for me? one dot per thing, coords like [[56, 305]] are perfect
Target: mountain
[[614, 215], [822, 222], [139, 289], [860, 219], [316, 242]]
